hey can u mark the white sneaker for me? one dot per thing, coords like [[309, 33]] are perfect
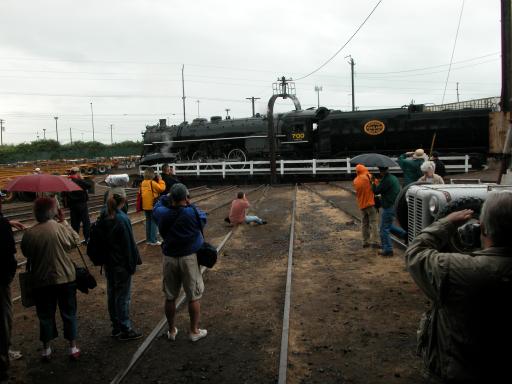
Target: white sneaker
[[155, 243], [198, 336], [171, 336]]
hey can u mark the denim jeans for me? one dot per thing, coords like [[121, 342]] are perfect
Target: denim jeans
[[47, 298], [79, 213], [253, 219], [150, 227], [386, 226], [5, 327], [119, 283]]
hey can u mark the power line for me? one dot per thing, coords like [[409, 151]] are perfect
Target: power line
[[343, 46], [453, 51]]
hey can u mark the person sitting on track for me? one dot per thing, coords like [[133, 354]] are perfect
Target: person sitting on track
[[466, 336], [237, 213], [180, 224]]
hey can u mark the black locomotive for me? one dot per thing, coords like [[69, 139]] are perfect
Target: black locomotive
[[321, 133]]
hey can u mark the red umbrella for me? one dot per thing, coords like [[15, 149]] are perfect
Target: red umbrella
[[41, 183]]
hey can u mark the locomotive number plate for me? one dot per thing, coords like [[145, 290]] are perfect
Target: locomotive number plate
[[298, 136], [374, 127]]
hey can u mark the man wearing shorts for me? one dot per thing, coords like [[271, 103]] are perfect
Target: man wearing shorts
[[180, 224]]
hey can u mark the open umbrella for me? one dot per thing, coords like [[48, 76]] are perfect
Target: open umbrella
[[373, 160], [41, 183]]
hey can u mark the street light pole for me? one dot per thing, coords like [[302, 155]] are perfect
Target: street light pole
[[44, 133], [70, 136], [227, 113], [318, 89], [92, 122], [111, 137], [197, 108], [56, 129], [1, 132]]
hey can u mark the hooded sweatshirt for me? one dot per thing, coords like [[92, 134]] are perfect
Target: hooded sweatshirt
[[364, 193]]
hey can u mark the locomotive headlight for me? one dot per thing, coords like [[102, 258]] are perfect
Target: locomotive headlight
[[433, 205]]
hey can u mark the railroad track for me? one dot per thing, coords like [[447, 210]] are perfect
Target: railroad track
[[284, 305], [159, 328]]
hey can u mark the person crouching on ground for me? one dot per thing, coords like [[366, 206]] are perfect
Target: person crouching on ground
[[180, 224], [122, 260], [428, 169], [237, 213], [366, 202], [47, 247], [466, 336], [388, 188]]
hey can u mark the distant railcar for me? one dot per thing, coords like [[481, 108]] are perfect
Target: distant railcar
[[322, 133]]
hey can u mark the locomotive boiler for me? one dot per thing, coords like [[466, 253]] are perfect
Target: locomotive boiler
[[321, 133]]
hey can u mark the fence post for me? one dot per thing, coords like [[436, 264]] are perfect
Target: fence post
[[251, 168], [197, 169], [223, 169], [348, 165], [466, 163], [314, 166], [282, 167]]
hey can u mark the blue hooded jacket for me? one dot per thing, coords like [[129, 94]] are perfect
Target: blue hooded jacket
[[179, 227]]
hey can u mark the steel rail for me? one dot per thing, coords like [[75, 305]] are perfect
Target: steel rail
[[162, 323], [283, 357]]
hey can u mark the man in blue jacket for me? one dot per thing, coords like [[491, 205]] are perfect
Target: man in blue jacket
[[180, 224]]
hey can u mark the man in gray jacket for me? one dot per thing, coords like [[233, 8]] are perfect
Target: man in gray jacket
[[467, 335]]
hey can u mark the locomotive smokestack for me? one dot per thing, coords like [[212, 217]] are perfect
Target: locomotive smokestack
[[163, 123]]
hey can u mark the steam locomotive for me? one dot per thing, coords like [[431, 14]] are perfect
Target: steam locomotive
[[322, 133]]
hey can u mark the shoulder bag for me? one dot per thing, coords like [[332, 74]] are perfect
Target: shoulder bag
[[26, 286], [207, 254], [84, 279]]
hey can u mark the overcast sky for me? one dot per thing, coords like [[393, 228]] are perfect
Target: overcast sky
[[125, 57]]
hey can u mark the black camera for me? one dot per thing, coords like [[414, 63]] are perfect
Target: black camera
[[469, 234]]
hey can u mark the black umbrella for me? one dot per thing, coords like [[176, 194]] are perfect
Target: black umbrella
[[373, 160]]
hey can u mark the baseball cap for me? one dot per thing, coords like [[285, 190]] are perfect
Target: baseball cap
[[179, 192]]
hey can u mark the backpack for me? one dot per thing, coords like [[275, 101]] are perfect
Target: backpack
[[98, 245]]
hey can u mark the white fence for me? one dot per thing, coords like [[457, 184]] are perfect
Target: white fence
[[454, 164]]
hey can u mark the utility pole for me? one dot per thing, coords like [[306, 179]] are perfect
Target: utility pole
[[1, 132], [92, 121], [506, 56], [56, 129], [317, 90], [352, 63], [197, 101], [70, 136], [227, 113], [183, 88], [252, 101], [457, 91], [111, 137], [44, 133]]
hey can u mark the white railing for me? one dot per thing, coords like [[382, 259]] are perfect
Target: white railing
[[454, 164]]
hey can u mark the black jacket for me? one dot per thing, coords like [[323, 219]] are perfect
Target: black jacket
[[169, 182], [78, 197], [8, 263]]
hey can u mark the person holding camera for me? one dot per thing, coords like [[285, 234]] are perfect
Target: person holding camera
[[465, 336], [180, 223], [150, 189], [410, 162]]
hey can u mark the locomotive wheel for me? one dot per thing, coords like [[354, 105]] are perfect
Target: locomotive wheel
[[236, 155], [456, 243], [200, 157], [102, 169]]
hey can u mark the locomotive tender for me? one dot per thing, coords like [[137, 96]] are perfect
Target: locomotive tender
[[322, 133]]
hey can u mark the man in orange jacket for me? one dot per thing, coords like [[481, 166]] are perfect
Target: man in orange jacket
[[366, 203]]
